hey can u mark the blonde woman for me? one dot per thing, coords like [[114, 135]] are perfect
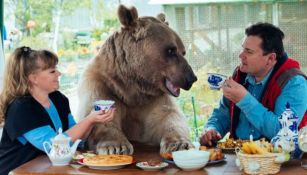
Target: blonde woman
[[32, 109]]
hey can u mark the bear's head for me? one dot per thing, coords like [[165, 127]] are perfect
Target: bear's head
[[158, 55], [148, 57]]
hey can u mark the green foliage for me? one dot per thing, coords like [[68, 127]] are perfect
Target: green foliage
[[96, 33], [111, 23], [34, 42], [68, 37], [200, 125], [106, 15], [205, 99], [67, 55], [200, 90], [68, 6], [42, 15]]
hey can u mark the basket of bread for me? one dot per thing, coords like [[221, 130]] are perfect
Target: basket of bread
[[260, 157]]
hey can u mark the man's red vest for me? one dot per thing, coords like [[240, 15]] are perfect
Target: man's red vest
[[276, 82]]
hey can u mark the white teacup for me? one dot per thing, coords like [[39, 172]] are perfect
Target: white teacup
[[103, 104], [216, 80]]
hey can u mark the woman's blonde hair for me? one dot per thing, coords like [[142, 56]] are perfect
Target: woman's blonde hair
[[19, 66]]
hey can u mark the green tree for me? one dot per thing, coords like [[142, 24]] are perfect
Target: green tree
[[45, 13], [104, 18]]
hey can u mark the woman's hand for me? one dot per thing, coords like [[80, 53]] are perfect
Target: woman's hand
[[101, 116]]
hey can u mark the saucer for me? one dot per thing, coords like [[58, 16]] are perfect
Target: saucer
[[145, 166]]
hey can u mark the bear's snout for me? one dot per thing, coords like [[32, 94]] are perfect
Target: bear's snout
[[189, 80]]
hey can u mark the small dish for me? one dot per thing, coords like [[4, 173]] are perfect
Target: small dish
[[211, 162], [171, 161], [77, 157], [76, 165], [228, 150], [145, 166]]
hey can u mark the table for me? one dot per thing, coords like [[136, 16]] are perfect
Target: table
[[42, 165]]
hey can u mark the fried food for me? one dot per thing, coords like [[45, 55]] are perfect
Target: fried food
[[215, 154], [231, 143], [203, 148], [252, 148], [113, 159], [257, 147], [167, 156]]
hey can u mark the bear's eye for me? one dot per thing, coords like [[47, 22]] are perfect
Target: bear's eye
[[171, 52]]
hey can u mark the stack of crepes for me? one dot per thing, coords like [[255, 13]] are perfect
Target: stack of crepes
[[113, 159]]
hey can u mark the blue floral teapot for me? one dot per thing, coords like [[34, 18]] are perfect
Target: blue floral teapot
[[287, 137]]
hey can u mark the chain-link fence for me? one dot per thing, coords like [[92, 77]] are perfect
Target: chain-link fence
[[213, 33]]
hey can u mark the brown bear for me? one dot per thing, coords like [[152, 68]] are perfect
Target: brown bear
[[140, 67]]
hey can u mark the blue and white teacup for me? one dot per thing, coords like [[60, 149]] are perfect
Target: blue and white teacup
[[216, 80], [103, 105]]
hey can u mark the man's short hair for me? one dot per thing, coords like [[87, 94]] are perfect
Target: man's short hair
[[271, 37]]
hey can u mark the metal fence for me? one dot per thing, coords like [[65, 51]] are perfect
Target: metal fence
[[213, 33]]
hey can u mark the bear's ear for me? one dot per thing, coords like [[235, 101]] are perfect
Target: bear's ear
[[127, 17], [161, 17]]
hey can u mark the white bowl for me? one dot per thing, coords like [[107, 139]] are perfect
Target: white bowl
[[146, 167], [190, 160], [190, 167], [191, 154]]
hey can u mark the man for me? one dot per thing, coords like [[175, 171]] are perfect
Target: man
[[264, 82]]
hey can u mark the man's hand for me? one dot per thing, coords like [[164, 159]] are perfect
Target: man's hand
[[209, 137], [233, 90]]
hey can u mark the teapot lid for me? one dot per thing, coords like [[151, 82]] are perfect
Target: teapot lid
[[61, 136], [289, 113]]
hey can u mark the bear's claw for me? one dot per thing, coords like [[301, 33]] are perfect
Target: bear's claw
[[168, 146], [113, 147]]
